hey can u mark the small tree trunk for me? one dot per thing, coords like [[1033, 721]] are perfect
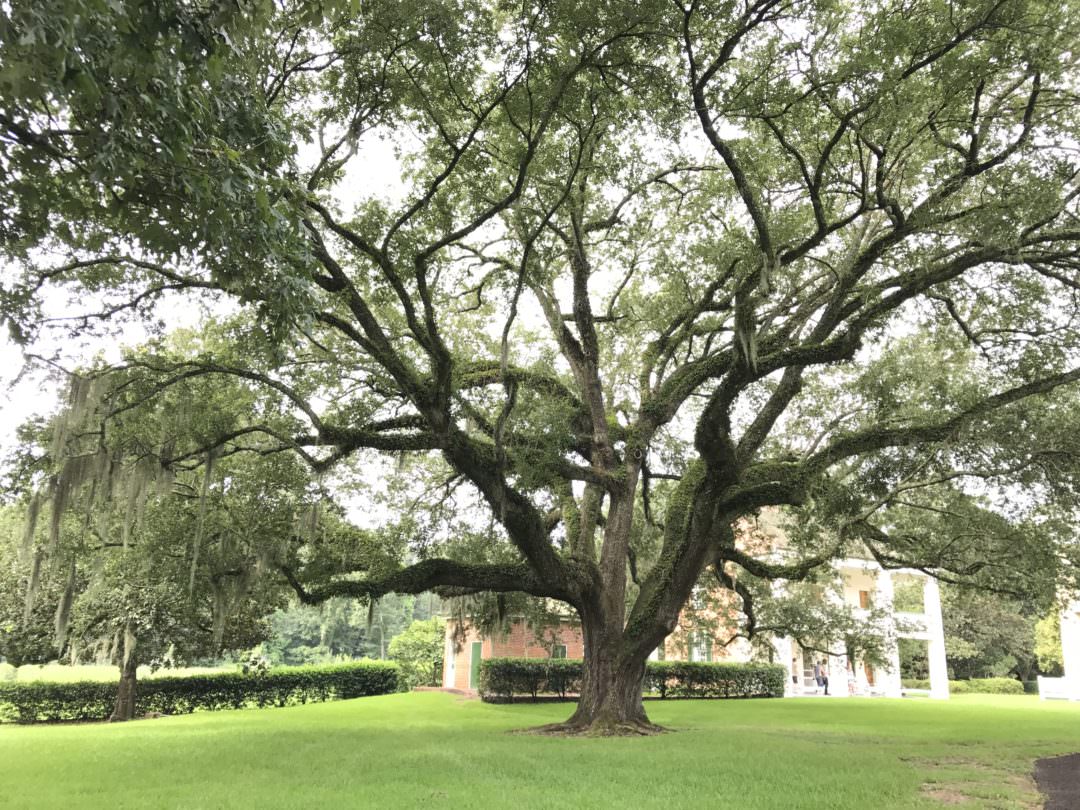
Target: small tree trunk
[[125, 695]]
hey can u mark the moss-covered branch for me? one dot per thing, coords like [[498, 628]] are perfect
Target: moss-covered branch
[[878, 438], [436, 575]]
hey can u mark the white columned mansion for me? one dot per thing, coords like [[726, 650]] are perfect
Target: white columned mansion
[[865, 584]]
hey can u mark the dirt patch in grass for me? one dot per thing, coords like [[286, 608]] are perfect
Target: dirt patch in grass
[[945, 795], [961, 781]]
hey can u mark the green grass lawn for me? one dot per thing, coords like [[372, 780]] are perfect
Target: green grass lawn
[[436, 750]]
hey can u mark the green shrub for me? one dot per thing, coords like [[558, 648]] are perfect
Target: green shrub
[[418, 650], [915, 683], [47, 701], [7, 672], [563, 676], [993, 686], [714, 680], [502, 678], [44, 701], [983, 686]]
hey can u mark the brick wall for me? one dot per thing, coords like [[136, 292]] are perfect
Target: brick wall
[[710, 615], [520, 641]]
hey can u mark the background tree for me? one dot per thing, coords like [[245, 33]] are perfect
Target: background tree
[[140, 556], [343, 628], [775, 253], [1048, 644], [23, 640], [988, 635], [419, 651]]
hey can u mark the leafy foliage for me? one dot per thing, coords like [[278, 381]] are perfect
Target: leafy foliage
[[340, 628], [144, 556], [418, 650], [988, 635], [717, 680], [1048, 644]]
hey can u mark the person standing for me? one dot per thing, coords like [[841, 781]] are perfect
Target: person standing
[[818, 675], [825, 674]]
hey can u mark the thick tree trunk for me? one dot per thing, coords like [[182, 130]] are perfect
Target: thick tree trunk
[[610, 703], [125, 695]]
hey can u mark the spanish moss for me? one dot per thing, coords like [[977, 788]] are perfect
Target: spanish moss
[[33, 511], [32, 585], [197, 541], [63, 610]]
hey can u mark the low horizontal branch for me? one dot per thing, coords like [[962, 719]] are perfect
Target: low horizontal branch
[[430, 575]]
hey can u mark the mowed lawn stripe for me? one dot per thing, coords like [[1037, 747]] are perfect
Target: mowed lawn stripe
[[433, 749]]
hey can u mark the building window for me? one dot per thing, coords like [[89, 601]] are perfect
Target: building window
[[864, 600], [700, 646], [697, 599], [558, 651]]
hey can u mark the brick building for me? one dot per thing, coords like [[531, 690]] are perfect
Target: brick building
[[465, 649]]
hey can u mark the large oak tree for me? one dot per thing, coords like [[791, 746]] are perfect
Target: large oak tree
[[651, 267]]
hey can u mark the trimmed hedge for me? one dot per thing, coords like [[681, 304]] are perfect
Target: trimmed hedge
[[44, 701], [989, 686], [719, 680], [981, 686], [502, 678]]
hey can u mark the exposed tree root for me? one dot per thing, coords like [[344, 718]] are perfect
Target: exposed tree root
[[626, 728]]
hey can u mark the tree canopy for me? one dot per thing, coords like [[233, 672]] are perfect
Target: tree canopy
[[142, 543], [647, 268]]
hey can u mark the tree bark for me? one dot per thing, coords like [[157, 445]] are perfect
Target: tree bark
[[610, 702], [125, 695]]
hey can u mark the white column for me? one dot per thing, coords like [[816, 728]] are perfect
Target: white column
[[1070, 648], [836, 665], [783, 650], [890, 678], [448, 659], [935, 633], [838, 686]]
